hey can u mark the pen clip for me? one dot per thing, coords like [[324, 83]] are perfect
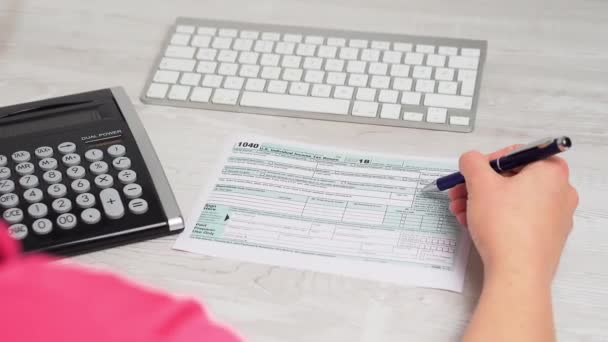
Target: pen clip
[[535, 144]]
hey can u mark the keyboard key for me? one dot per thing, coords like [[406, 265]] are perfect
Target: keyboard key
[[334, 65], [104, 181], [29, 181], [291, 61], [7, 186], [336, 41], [393, 57], [255, 84], [412, 116], [205, 54], [81, 185], [448, 101], [306, 50], [225, 96], [422, 72], [405, 47], [9, 200], [201, 41], [364, 108], [444, 74], [75, 172], [349, 53], [274, 36], [470, 52], [435, 60], [413, 58], [18, 231], [241, 44], [32, 195], [13, 215], [228, 56], [3, 160], [93, 155], [366, 94], [279, 87], [390, 111], [43, 152], [179, 92], [221, 43], [410, 98], [318, 40], [459, 120], [336, 78], [356, 67], [263, 46], [425, 86], [111, 203], [127, 176], [48, 164], [381, 82], [321, 90], [423, 48], [233, 82], [5, 172], [61, 205], [90, 216], [185, 29], [228, 69], [121, 163], [28, 168], [448, 50], [177, 64], [388, 96], [436, 115], [284, 48], [400, 83], [67, 221], [270, 60], [447, 88], [292, 74], [132, 191], [180, 51], [342, 92], [213, 81], [272, 73], [190, 79], [180, 39], [251, 71], [381, 45], [400, 70], [21, 156], [327, 51], [313, 63], [357, 43], [357, 80], [85, 200], [37, 210], [67, 147], [57, 190], [249, 57], [295, 38], [314, 76], [42, 226], [297, 103], [99, 167], [370, 55], [299, 88], [463, 62], [138, 206], [250, 34]]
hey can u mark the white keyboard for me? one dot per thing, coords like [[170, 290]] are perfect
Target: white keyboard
[[372, 78]]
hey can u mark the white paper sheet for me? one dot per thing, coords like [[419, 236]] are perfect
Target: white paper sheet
[[320, 209]]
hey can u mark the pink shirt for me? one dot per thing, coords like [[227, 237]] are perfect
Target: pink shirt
[[48, 301]]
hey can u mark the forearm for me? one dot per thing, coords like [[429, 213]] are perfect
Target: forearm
[[512, 308]]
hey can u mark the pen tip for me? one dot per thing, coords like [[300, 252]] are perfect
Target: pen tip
[[430, 187]]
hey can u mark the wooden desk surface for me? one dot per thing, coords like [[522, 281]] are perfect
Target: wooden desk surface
[[546, 73]]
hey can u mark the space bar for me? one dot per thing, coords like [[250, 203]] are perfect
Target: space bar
[[292, 102]]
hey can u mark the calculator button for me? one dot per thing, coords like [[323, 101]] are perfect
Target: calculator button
[[57, 190], [90, 216], [132, 191], [85, 200], [121, 163], [25, 168], [94, 155], [7, 186], [42, 226], [14, 215], [21, 156], [3, 160], [32, 195], [48, 164], [138, 206], [104, 181], [127, 176], [5, 172], [76, 172], [112, 204], [29, 181], [67, 221], [44, 152], [52, 177], [67, 147], [99, 167], [117, 151], [18, 231], [62, 205], [38, 210], [70, 159], [9, 200], [81, 185]]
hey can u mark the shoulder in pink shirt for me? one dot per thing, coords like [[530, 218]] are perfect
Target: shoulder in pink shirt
[[47, 301]]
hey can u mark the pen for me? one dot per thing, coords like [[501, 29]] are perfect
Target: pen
[[519, 157]]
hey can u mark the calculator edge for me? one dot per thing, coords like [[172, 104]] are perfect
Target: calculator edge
[[175, 220]]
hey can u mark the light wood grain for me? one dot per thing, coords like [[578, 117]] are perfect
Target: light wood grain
[[546, 73]]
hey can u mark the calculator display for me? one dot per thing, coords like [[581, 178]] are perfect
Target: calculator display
[[49, 122]]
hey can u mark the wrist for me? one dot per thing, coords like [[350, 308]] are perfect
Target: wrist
[[519, 276]]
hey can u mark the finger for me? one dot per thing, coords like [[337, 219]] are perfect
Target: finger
[[459, 205], [459, 191], [561, 163], [462, 218], [477, 172]]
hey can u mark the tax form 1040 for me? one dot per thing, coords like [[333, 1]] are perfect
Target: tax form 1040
[[344, 212]]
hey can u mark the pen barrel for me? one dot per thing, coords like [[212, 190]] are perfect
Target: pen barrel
[[449, 181], [510, 162]]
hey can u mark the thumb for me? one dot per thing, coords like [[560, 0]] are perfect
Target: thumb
[[476, 170]]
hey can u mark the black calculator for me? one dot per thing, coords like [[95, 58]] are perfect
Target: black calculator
[[78, 173]]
